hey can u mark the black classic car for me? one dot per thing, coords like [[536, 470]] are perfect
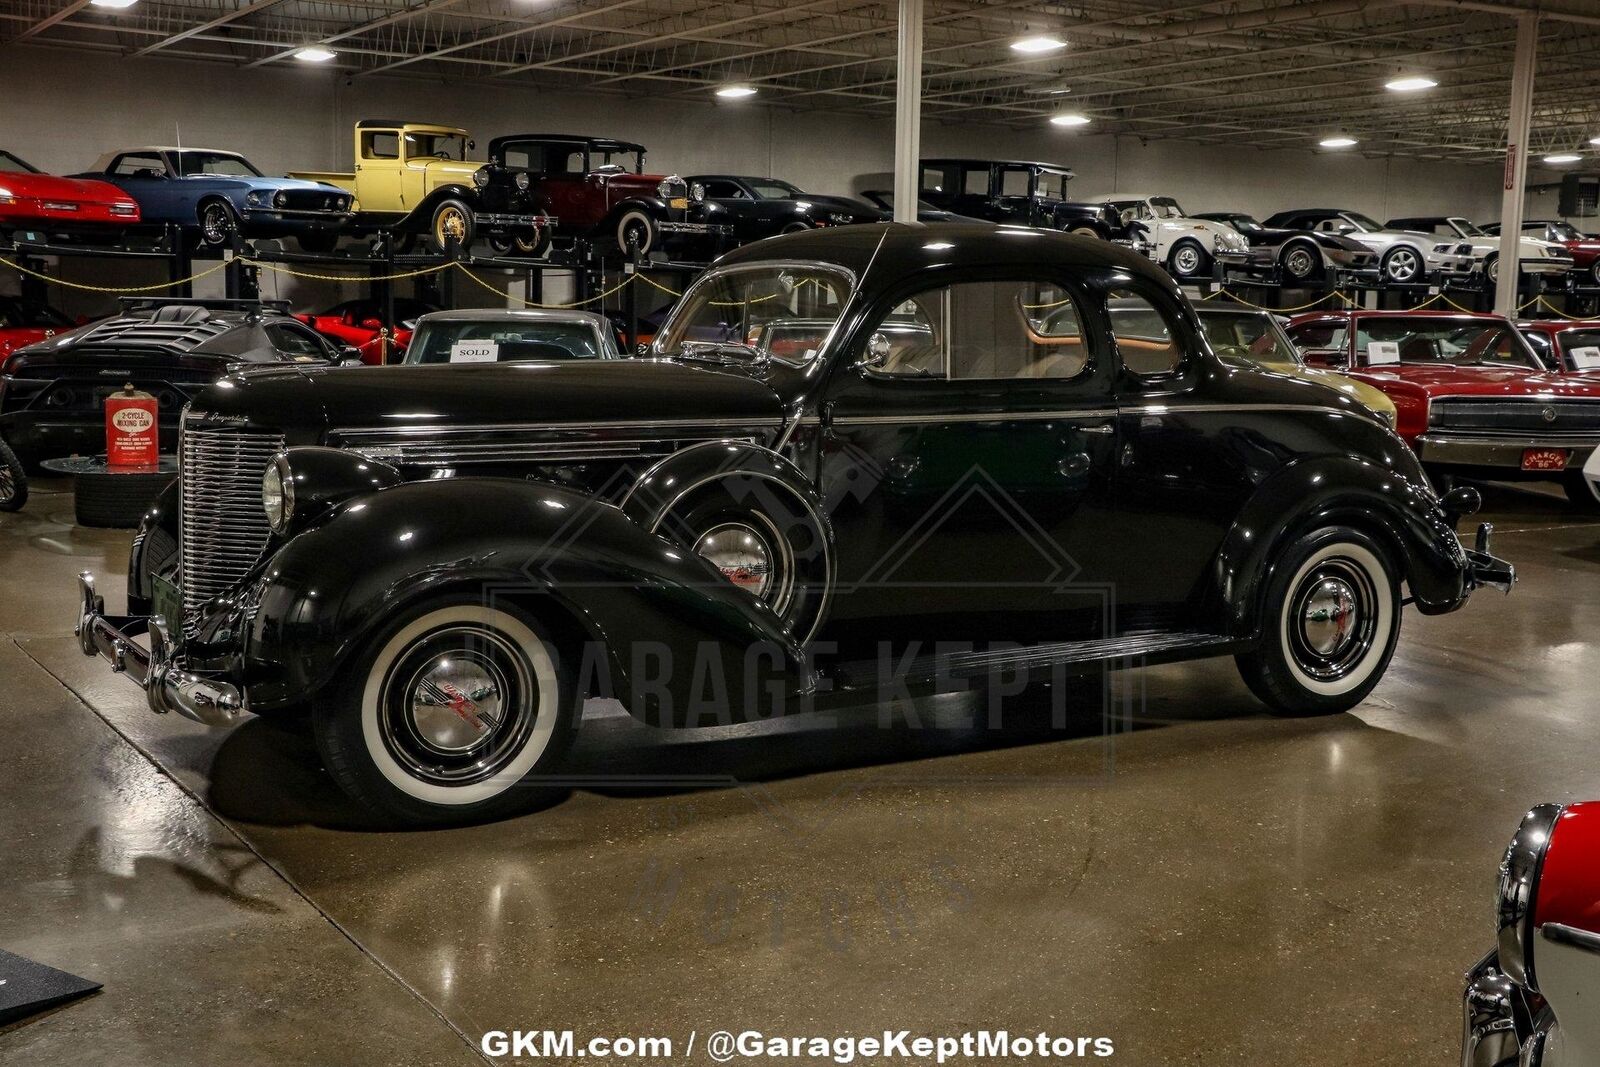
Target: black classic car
[[765, 207], [53, 393], [1031, 194], [1298, 255], [950, 463], [883, 200]]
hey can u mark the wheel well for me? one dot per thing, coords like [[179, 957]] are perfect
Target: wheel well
[[207, 201], [1300, 242]]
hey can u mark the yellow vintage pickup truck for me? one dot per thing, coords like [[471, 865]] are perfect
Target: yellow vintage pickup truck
[[415, 178]]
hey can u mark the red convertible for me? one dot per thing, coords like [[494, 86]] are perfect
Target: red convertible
[[359, 324], [31, 200], [1470, 395]]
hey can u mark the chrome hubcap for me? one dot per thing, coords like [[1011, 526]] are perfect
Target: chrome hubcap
[[1188, 260], [1402, 265], [1334, 619], [455, 703], [1299, 263], [742, 555]]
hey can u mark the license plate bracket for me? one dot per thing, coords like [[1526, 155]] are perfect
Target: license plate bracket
[[1545, 459], [166, 604]]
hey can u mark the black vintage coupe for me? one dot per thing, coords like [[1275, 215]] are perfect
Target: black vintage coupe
[[766, 207], [863, 462]]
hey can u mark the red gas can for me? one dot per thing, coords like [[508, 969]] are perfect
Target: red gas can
[[132, 441]]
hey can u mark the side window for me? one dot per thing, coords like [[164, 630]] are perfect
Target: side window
[[380, 144], [725, 191], [1144, 334], [975, 181], [296, 342], [982, 330], [140, 165], [1014, 182], [935, 180]]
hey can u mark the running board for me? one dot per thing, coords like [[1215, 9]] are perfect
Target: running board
[[1069, 657]]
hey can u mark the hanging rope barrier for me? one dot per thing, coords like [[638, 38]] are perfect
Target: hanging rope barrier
[[129, 289], [550, 307]]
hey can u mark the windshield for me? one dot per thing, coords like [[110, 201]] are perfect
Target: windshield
[[631, 162], [451, 146], [1164, 207], [224, 163], [1467, 229], [10, 164], [1243, 223], [1251, 335], [1361, 222], [1564, 231], [1580, 350], [756, 312], [1053, 186], [502, 341], [772, 189], [1454, 342]]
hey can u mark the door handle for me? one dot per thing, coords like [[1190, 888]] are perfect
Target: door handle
[[1102, 428], [1075, 465]]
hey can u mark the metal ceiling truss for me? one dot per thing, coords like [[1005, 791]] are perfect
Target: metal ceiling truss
[[1263, 73]]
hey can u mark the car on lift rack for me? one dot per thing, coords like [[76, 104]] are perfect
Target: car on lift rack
[[1470, 395], [1188, 247], [1584, 249], [1298, 256], [597, 188], [213, 194], [53, 393], [1014, 191], [1534, 257], [951, 469], [1405, 257], [766, 207], [34, 202]]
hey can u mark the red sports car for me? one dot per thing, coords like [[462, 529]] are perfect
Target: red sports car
[[23, 322], [359, 324], [1470, 395], [1571, 346], [1585, 249], [31, 200]]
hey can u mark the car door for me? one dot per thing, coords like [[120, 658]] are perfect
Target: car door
[[966, 461], [379, 184], [732, 195]]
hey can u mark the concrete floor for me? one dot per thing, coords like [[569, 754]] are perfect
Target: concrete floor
[[1207, 884]]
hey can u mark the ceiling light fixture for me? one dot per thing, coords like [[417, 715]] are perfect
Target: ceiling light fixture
[[1563, 157], [735, 92], [1069, 119], [1037, 45], [1594, 140], [1338, 140], [1411, 84], [117, 5], [314, 55]]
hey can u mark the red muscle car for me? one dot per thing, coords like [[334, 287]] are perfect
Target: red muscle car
[[1585, 250], [1470, 395], [1571, 346], [24, 322], [31, 200], [359, 324]]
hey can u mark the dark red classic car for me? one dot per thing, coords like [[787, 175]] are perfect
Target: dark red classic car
[[1585, 250], [1470, 395], [359, 324], [1571, 346], [597, 188], [33, 200]]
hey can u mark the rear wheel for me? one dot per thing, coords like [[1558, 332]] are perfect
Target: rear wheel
[[452, 714], [1330, 621], [13, 480]]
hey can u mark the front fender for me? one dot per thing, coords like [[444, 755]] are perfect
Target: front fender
[[154, 549], [659, 628], [654, 206], [1393, 505], [422, 214]]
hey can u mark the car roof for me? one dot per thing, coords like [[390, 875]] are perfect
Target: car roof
[[590, 318], [1396, 313], [1558, 325], [904, 248], [970, 162], [573, 138]]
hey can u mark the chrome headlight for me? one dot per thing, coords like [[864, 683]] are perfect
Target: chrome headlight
[[252, 198], [1517, 891], [697, 192], [280, 199], [480, 177], [664, 188], [277, 495], [522, 180]]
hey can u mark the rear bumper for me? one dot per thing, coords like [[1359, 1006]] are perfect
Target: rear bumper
[[167, 686], [1498, 451]]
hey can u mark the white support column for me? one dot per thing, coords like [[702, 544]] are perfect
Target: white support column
[[908, 112], [1516, 172]]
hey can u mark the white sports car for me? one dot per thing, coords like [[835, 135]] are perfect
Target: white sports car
[[1186, 246], [1533, 256], [1405, 257]]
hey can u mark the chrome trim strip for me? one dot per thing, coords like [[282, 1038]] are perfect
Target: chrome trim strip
[[449, 454], [356, 433], [969, 416]]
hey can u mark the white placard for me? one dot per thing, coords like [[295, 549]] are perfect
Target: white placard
[[1380, 353], [474, 352], [1585, 358]]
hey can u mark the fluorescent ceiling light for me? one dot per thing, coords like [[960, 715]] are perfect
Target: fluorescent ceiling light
[[116, 4], [1594, 140], [1035, 45], [1410, 85], [735, 92], [1342, 140], [1069, 120], [314, 55], [1563, 157]]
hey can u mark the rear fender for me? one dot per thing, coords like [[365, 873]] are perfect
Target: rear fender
[[1393, 506], [658, 627]]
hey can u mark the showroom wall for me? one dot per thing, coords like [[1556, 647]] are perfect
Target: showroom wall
[[298, 118]]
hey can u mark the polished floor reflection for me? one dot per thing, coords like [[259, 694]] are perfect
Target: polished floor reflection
[[1165, 864]]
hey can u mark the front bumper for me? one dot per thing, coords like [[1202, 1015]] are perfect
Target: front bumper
[[1461, 450], [1484, 568], [157, 670], [500, 220], [1498, 1027]]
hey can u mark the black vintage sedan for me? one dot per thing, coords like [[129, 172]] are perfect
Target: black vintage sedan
[[863, 462], [765, 207]]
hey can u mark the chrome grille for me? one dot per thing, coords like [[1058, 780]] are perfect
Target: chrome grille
[[222, 528], [1521, 416]]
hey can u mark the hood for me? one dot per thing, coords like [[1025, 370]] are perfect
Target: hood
[[1229, 237], [841, 204], [576, 393], [444, 168], [1485, 381], [75, 190], [48, 360], [289, 185]]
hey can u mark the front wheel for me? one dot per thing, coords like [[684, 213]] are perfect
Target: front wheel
[[452, 220], [1491, 269], [635, 230], [217, 222], [13, 480], [450, 715], [1188, 260], [1301, 263], [1330, 621], [1402, 265], [1084, 231]]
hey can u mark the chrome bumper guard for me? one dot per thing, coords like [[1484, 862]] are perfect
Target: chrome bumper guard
[[694, 227], [529, 222], [1484, 568], [166, 686], [1497, 1021]]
